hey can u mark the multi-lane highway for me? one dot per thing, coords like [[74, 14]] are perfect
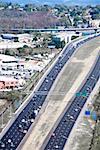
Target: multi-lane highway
[[12, 138], [64, 127]]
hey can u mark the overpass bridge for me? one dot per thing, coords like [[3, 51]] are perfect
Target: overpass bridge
[[53, 29]]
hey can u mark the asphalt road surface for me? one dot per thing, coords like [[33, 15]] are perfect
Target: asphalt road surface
[[21, 125], [62, 131], [62, 91]]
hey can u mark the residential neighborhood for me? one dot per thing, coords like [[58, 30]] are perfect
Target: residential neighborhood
[[13, 16]]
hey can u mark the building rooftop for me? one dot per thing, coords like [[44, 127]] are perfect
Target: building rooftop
[[4, 78], [9, 35], [7, 58]]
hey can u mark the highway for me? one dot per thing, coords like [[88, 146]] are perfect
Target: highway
[[21, 125], [61, 133]]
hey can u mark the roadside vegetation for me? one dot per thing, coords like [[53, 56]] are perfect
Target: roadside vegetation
[[95, 142]]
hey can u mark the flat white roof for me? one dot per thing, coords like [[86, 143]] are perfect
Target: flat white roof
[[17, 35], [7, 58], [9, 35], [4, 78], [5, 44]]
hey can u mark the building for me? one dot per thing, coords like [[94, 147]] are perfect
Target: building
[[23, 38], [8, 82], [8, 62], [9, 37], [67, 36], [95, 23]]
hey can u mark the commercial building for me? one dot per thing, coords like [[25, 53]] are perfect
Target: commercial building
[[8, 62], [8, 82], [17, 37], [9, 37]]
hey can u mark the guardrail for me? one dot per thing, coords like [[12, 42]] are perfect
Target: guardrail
[[67, 106]]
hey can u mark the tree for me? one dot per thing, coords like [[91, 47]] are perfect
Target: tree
[[74, 37], [13, 95], [62, 44], [7, 52], [34, 39], [77, 18], [25, 46], [96, 16], [20, 49]]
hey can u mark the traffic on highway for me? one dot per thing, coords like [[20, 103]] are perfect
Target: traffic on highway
[[19, 128], [64, 127]]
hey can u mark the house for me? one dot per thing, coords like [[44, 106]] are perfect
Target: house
[[95, 23]]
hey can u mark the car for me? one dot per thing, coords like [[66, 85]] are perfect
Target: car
[[9, 140], [47, 80]]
